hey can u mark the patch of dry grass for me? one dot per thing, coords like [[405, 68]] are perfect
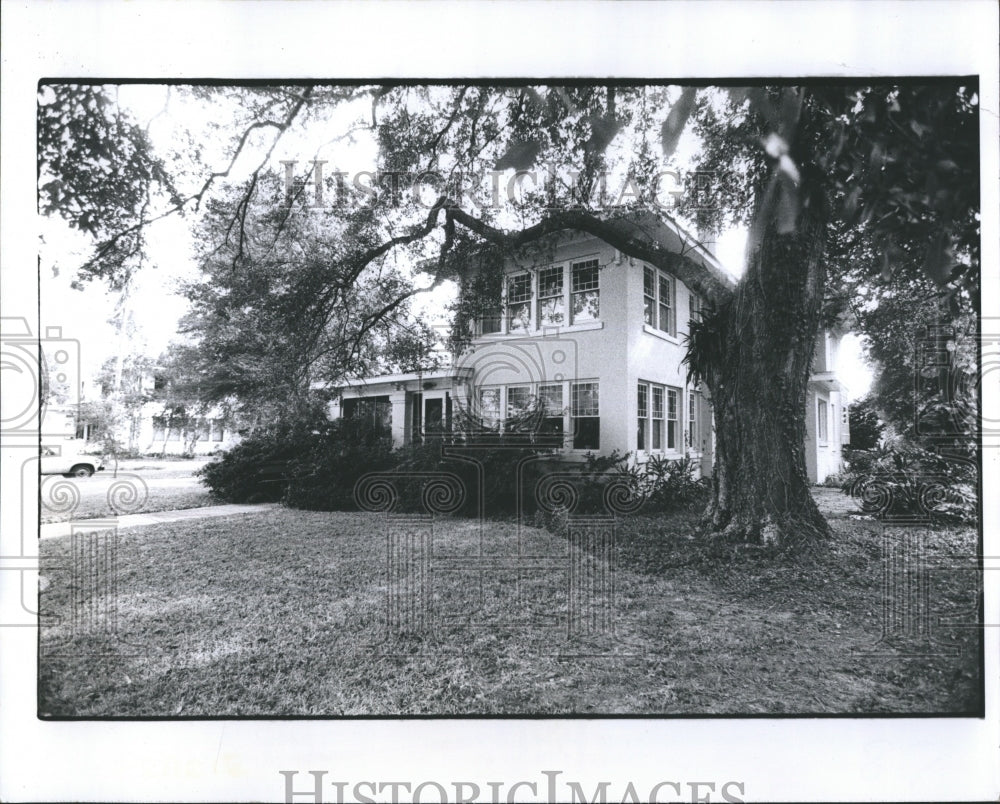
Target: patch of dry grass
[[294, 613]]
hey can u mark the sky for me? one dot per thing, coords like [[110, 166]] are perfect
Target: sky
[[154, 300]]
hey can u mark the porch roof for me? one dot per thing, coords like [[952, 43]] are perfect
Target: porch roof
[[452, 373]]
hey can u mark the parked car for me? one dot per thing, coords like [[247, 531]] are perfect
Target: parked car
[[69, 463]]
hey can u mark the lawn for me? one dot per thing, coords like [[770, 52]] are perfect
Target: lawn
[[295, 613], [142, 486]]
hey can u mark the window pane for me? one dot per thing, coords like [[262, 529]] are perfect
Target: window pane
[[657, 434], [489, 405], [672, 405], [692, 434], [519, 288], [822, 415], [552, 312], [586, 306], [640, 439], [550, 282], [648, 282], [585, 399], [585, 276], [518, 400], [587, 433], [657, 402], [551, 397], [490, 322], [666, 304], [518, 317], [518, 302], [643, 399], [648, 305]]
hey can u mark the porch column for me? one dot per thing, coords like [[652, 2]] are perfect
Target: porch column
[[398, 401]]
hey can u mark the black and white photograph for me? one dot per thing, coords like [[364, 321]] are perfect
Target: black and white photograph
[[582, 398]]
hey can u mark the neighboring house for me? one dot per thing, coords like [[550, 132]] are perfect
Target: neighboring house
[[149, 426], [596, 339]]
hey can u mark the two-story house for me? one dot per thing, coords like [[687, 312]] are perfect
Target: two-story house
[[595, 339]]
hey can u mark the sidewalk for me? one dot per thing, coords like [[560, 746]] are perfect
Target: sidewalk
[[56, 529]]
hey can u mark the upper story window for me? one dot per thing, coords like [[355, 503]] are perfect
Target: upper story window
[[659, 300], [553, 296], [551, 301], [694, 306], [586, 291], [518, 302]]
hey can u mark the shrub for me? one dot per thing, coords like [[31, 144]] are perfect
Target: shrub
[[906, 480], [511, 469], [323, 474], [257, 469], [671, 485]]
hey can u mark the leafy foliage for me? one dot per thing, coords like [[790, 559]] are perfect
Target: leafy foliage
[[866, 427], [904, 481], [98, 171]]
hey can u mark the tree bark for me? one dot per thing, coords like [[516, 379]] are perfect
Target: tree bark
[[758, 378]]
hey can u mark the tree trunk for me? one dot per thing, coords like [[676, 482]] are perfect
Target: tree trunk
[[758, 379]]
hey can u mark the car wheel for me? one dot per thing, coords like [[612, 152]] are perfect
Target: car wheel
[[81, 470]]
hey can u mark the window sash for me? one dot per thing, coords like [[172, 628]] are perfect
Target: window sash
[[658, 300], [822, 429], [518, 400], [672, 400], [586, 399], [489, 405], [692, 434]]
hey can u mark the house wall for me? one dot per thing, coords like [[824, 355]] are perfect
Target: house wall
[[588, 351], [824, 458], [619, 351]]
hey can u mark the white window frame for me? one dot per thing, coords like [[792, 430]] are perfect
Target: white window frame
[[568, 282], [509, 279], [822, 421], [565, 412], [658, 414], [691, 431], [535, 323], [562, 296], [573, 414], [651, 318]]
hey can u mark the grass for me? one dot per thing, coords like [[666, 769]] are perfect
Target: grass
[[285, 613], [97, 506]]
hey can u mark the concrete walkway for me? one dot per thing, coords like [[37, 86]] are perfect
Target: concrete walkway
[[56, 529]]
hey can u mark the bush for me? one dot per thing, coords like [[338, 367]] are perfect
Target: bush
[[323, 474], [893, 482], [257, 469], [511, 470]]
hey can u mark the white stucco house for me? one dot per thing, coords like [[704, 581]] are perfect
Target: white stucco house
[[596, 339]]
